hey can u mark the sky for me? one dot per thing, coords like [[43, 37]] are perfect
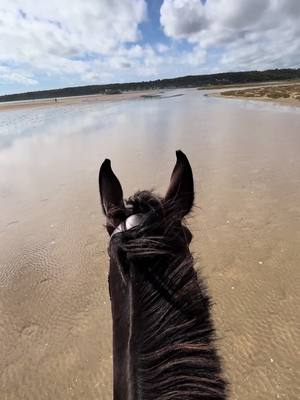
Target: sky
[[60, 43]]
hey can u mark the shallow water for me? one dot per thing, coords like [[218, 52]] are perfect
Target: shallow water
[[55, 326]]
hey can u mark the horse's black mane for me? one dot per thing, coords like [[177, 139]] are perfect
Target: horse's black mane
[[174, 350]]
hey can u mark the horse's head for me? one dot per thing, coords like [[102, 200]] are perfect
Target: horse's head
[[178, 199], [146, 216]]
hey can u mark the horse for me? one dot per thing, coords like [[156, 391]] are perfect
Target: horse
[[163, 335]]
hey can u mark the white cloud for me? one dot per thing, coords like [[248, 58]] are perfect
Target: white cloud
[[182, 18], [77, 42], [248, 34], [8, 75], [67, 38], [80, 42], [66, 28], [162, 48]]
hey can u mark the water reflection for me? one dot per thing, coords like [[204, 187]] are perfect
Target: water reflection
[[54, 306]]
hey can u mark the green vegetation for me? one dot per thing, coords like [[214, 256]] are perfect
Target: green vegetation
[[205, 81]]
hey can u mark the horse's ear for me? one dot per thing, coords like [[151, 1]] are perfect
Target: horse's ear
[[181, 188], [111, 192]]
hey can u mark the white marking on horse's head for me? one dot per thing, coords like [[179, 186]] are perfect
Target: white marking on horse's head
[[130, 222]]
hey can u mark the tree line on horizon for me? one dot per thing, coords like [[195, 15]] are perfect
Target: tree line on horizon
[[220, 79]]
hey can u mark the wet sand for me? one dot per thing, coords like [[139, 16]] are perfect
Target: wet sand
[[55, 324], [66, 101]]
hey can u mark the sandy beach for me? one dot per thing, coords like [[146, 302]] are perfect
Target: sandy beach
[[65, 101], [55, 325], [284, 94]]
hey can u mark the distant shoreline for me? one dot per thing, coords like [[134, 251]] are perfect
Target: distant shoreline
[[64, 101], [285, 94], [250, 85], [209, 81], [258, 91]]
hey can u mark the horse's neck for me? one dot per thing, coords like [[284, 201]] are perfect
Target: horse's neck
[[161, 349], [126, 334], [122, 302]]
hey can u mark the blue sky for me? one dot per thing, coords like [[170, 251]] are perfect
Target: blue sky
[[61, 43]]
